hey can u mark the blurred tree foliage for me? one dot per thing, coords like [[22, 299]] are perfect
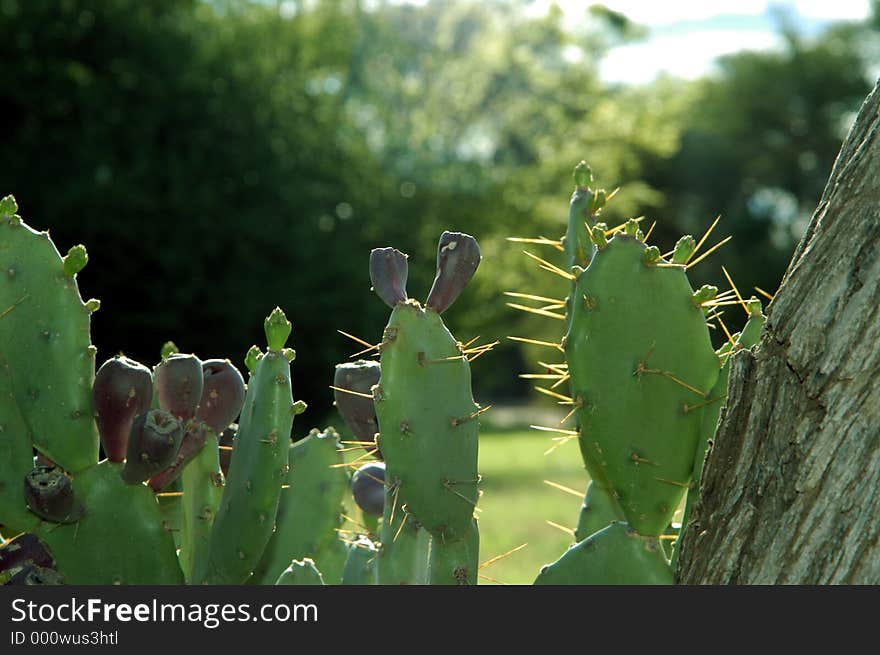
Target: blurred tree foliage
[[219, 158]]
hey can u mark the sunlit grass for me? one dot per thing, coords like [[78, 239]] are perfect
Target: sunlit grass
[[517, 504]]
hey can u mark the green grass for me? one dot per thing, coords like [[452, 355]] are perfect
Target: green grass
[[516, 503]]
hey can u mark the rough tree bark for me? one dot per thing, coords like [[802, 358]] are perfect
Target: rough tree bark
[[791, 489]]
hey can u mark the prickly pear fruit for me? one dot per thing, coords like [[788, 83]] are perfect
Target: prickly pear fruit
[[368, 488], [458, 256], [152, 445], [388, 273], [191, 445], [360, 565], [358, 412], [222, 394], [179, 382], [49, 494], [616, 555], [123, 390], [301, 572]]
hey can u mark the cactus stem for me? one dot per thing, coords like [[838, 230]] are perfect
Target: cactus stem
[[402, 523]]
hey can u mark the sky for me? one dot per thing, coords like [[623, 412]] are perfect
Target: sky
[[687, 35]]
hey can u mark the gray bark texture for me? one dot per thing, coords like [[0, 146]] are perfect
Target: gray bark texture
[[791, 487]]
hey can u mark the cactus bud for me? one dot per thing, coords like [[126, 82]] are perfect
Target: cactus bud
[[277, 329], [75, 260], [169, 348], [458, 256], [684, 248], [8, 206], [388, 273], [583, 175]]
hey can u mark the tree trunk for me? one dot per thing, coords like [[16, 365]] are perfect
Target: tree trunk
[[791, 489]]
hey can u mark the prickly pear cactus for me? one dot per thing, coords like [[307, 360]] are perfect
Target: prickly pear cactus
[[428, 420], [46, 356], [310, 510], [258, 468], [645, 385]]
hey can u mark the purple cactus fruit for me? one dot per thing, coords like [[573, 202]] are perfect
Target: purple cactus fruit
[[358, 412], [123, 389], [179, 382], [368, 488], [193, 440], [152, 445], [222, 394], [388, 273], [49, 494], [458, 256]]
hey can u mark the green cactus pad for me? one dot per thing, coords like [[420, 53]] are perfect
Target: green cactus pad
[[309, 512], [258, 468], [45, 349], [15, 463], [202, 483], [616, 555], [300, 573], [360, 565], [403, 553], [597, 513], [640, 360], [428, 421], [120, 539], [455, 562]]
